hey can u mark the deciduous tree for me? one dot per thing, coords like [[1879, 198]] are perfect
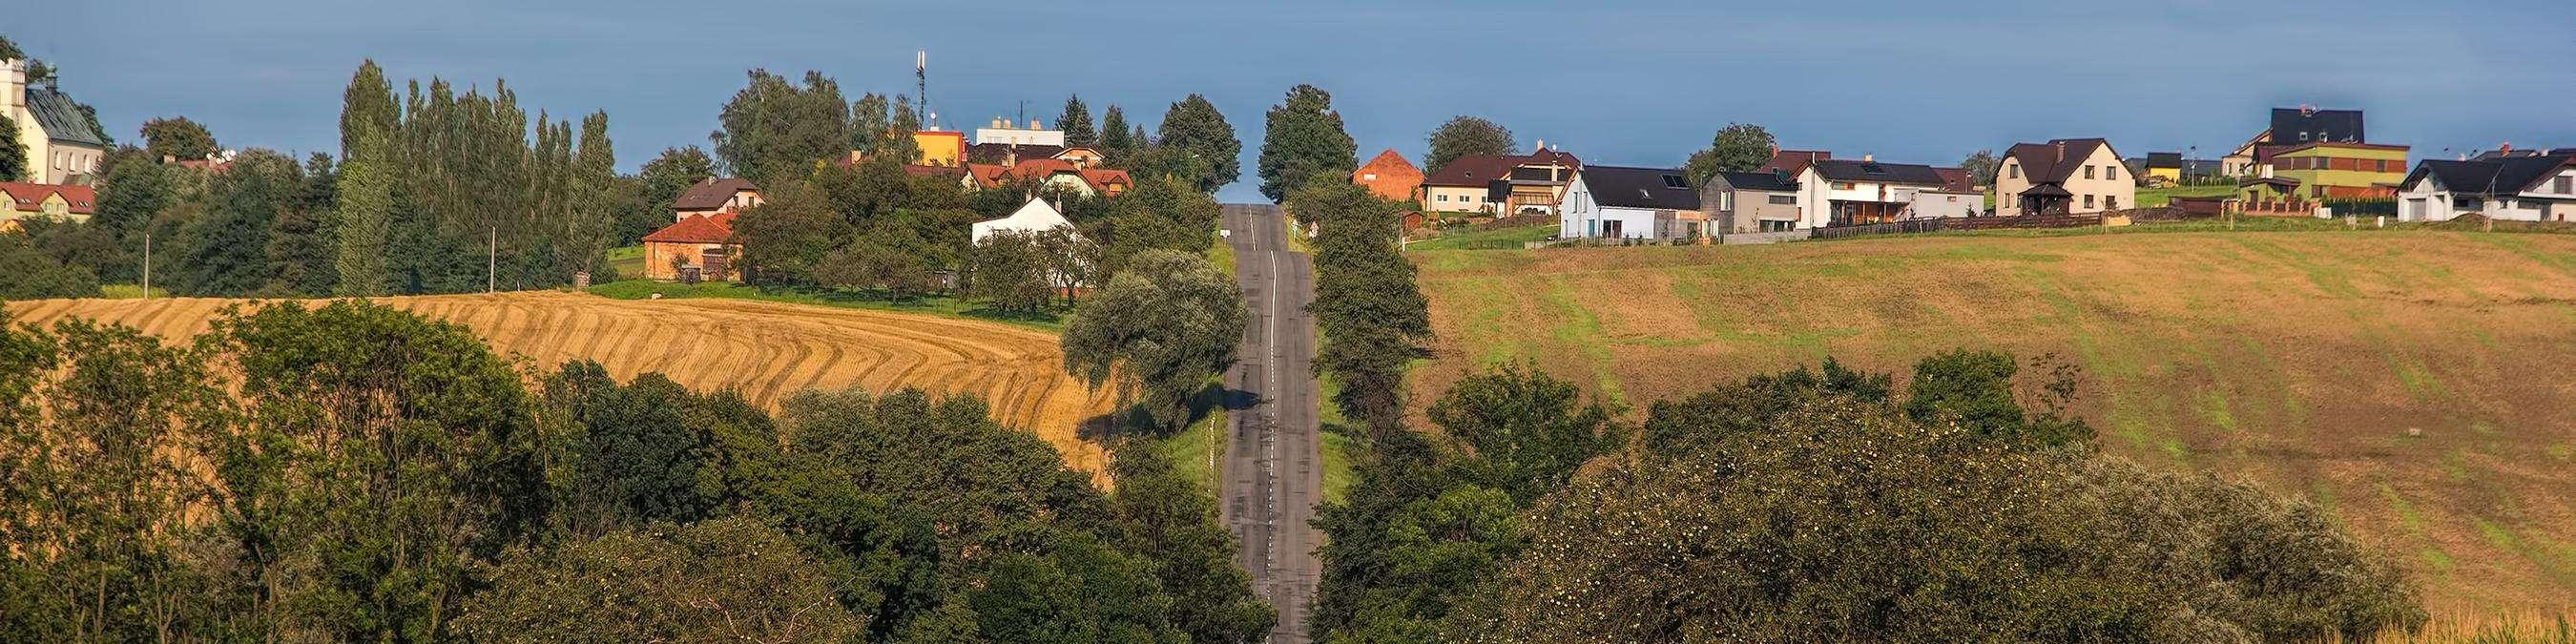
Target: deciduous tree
[[1467, 135], [1304, 141], [177, 137], [773, 130], [1738, 147], [1165, 324], [1196, 130]]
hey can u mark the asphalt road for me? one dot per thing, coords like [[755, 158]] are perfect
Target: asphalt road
[[1272, 476]]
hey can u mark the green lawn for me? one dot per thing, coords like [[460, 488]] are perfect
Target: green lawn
[[1500, 238], [128, 291], [1336, 446], [637, 289], [628, 261], [1194, 451], [2152, 197]]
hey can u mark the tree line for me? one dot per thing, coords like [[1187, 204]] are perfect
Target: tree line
[[355, 472]]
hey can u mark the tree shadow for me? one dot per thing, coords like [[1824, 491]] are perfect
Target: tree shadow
[[1132, 421]]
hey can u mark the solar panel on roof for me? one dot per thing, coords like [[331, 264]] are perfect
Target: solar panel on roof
[[1873, 168], [1674, 181]]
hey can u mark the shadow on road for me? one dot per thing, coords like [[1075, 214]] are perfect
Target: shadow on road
[[1132, 421]]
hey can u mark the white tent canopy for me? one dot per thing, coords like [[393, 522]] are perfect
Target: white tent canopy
[[1036, 217]]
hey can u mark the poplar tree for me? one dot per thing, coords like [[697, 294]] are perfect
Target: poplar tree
[[366, 183]]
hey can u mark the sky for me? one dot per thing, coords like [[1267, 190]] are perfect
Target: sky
[[1613, 81]]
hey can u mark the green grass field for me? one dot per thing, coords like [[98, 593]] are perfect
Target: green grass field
[[2152, 197], [1500, 238], [2413, 382], [628, 261], [637, 289]]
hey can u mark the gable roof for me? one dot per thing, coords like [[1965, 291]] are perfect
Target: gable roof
[[1793, 161], [2056, 160], [1956, 180], [2505, 175], [81, 200], [1394, 179], [697, 229], [63, 120], [1760, 180], [1649, 188], [711, 193], [1876, 172], [1032, 217], [1479, 170]]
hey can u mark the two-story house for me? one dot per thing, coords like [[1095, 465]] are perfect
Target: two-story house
[[714, 195], [1848, 192], [1515, 184], [2328, 170], [1612, 202], [63, 143], [2291, 127], [2512, 188], [30, 200], [2062, 177], [1751, 202]]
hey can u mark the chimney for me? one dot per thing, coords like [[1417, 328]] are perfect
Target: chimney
[[2061, 151], [1035, 124], [1006, 124], [997, 122], [1542, 146], [13, 86]]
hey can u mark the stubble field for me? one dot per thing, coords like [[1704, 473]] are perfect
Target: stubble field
[[764, 350], [2421, 385]]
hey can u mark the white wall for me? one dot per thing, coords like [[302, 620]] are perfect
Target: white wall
[[1580, 217]]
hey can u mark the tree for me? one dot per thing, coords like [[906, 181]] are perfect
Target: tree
[[1530, 431], [731, 578], [1975, 390], [1009, 268], [593, 223], [870, 123], [13, 153], [1467, 135], [1196, 130], [1170, 517], [1076, 123], [26, 272], [660, 183], [226, 250], [773, 130], [367, 149], [1114, 138], [1738, 147], [1304, 141], [1162, 328], [786, 237], [1981, 167], [367, 105], [1371, 315], [177, 137]]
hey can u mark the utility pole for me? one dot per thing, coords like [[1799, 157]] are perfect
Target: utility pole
[[492, 263]]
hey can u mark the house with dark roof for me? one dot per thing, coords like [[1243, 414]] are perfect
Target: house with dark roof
[[1849, 192], [1614, 202], [714, 195], [1762, 201], [1389, 176], [2063, 177], [1531, 183], [2512, 188], [2292, 127], [63, 143], [698, 247]]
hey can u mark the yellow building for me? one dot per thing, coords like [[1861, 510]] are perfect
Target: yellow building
[[30, 200], [2331, 170], [63, 144], [940, 148]]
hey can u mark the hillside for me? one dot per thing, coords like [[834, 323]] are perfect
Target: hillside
[[764, 349], [2416, 383]]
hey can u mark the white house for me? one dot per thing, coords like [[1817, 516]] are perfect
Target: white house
[[1611, 202], [1036, 217], [63, 144], [1847, 192], [2531, 188]]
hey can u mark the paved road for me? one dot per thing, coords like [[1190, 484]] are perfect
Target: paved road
[[1272, 475]]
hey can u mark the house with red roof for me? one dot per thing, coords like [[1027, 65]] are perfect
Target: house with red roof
[[1512, 184], [29, 200], [1389, 176], [1050, 175], [698, 247]]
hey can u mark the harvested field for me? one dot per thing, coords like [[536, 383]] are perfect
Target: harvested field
[[2419, 384], [765, 350]]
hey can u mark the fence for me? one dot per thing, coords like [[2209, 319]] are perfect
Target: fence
[[1891, 228], [2026, 221], [1768, 238]]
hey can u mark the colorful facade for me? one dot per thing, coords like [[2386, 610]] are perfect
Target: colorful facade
[[2333, 170]]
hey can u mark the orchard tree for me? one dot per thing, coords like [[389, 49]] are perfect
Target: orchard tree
[[1467, 135], [1304, 141], [177, 137], [1738, 147], [1196, 130], [1163, 327]]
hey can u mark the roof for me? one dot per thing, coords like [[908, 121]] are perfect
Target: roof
[[31, 196], [2047, 190], [1765, 180], [2506, 175], [2289, 123], [2163, 160], [2056, 160], [1956, 180], [1039, 169], [711, 193], [999, 152], [63, 119], [1032, 217], [697, 229], [1100, 178], [1650, 188], [934, 171], [1793, 161], [1479, 170], [1872, 171], [1394, 179]]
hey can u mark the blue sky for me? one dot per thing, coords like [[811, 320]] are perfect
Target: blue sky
[[1613, 81]]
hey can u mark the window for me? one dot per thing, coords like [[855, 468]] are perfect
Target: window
[[2566, 184], [2088, 201], [1784, 200], [2088, 172], [2111, 172], [2013, 169], [1443, 197], [2111, 202], [1369, 177], [1842, 185]]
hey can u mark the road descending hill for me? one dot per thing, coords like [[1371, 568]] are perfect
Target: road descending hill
[[2421, 385], [764, 349]]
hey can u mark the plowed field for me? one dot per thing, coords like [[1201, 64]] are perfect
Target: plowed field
[[765, 350]]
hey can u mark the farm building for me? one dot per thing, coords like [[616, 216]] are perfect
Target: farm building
[[699, 247], [1389, 176], [1612, 202]]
